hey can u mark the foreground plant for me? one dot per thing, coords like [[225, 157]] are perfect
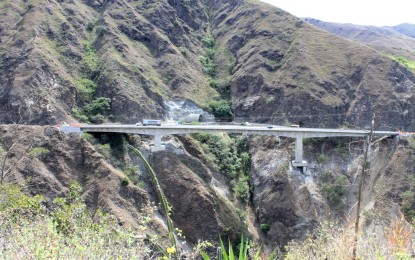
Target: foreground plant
[[28, 230], [230, 253]]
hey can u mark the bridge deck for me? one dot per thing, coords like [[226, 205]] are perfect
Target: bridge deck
[[293, 132]]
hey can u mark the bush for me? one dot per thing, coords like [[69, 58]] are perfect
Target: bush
[[89, 137], [265, 227], [101, 105], [224, 153], [105, 149], [90, 26], [321, 158], [125, 181], [95, 112], [231, 159], [85, 88], [133, 174], [213, 83], [335, 191], [209, 67], [80, 115], [14, 204], [97, 119], [38, 152], [91, 61], [221, 109], [408, 204], [184, 51], [242, 189], [209, 42]]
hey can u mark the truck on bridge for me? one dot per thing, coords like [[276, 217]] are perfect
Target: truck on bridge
[[148, 122]]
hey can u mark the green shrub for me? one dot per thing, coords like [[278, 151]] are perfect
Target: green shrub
[[335, 191], [408, 204], [321, 158], [209, 66], [101, 105], [209, 42], [411, 143], [97, 119], [213, 83], [38, 152], [85, 89], [242, 189], [133, 174], [231, 159], [265, 227], [89, 137], [184, 51], [405, 62], [221, 109], [125, 181], [14, 204], [90, 26], [80, 115], [91, 61], [96, 111], [105, 150]]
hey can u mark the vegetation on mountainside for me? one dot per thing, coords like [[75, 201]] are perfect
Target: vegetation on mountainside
[[65, 229], [91, 108], [230, 155], [335, 189], [410, 64], [221, 109]]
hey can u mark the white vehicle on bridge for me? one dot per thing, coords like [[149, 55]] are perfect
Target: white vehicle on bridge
[[148, 122]]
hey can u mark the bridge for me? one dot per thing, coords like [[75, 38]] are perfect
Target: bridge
[[293, 132]]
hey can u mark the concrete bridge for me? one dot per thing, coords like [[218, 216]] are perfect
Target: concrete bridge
[[294, 132]]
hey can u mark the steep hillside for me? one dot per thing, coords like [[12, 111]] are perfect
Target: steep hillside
[[120, 60], [64, 55]]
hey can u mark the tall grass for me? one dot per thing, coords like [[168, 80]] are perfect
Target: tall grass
[[66, 230], [333, 241]]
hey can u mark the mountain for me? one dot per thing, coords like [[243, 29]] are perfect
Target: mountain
[[392, 40], [404, 28], [120, 60]]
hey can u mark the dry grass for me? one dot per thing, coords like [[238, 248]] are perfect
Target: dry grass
[[334, 241], [28, 230]]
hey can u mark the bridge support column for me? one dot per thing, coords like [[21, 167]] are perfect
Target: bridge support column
[[157, 144], [299, 162]]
